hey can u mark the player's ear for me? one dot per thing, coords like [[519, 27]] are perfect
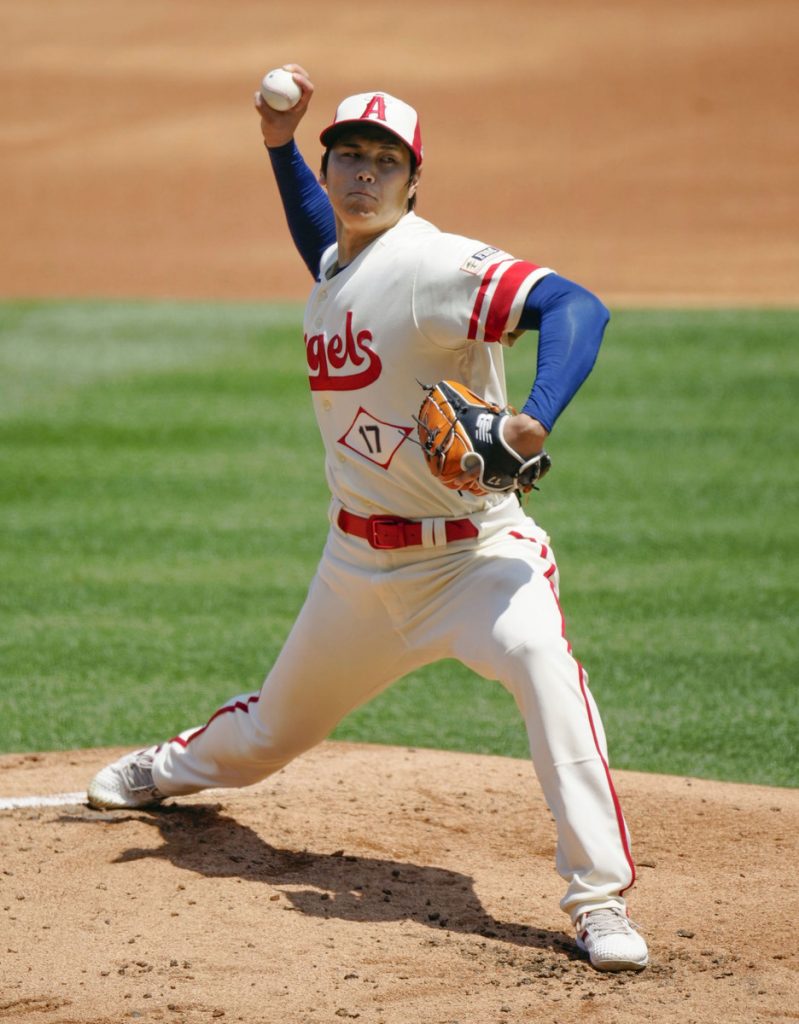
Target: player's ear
[[413, 184]]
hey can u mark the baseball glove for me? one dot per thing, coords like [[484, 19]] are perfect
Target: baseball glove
[[460, 432]]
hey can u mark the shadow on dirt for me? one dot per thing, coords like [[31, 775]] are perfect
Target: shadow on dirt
[[335, 885]]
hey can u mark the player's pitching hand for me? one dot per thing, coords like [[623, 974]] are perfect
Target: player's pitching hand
[[278, 126]]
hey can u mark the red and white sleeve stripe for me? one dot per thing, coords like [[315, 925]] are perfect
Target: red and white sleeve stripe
[[500, 298]]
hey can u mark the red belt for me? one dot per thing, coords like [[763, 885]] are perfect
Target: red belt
[[388, 532]]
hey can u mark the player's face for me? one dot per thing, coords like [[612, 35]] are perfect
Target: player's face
[[368, 182]]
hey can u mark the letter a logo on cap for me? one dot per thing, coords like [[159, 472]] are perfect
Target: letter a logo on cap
[[376, 107], [394, 115]]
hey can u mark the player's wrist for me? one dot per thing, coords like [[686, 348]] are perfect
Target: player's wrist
[[278, 141], [524, 434]]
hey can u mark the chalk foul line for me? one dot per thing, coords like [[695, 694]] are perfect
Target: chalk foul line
[[54, 800]]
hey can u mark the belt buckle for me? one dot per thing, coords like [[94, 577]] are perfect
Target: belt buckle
[[385, 533]]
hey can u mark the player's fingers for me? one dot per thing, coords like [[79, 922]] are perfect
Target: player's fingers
[[276, 117], [303, 80], [306, 88], [297, 69]]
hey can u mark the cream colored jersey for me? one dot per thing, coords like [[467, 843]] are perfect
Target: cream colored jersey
[[417, 305]]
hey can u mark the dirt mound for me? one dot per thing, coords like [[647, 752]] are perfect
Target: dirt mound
[[381, 884]]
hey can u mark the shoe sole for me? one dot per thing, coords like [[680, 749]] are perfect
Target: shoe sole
[[612, 965], [619, 965], [106, 800]]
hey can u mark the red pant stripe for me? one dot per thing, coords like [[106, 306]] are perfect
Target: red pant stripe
[[238, 706], [584, 691]]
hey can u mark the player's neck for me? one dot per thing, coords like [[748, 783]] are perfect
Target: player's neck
[[351, 245], [352, 242]]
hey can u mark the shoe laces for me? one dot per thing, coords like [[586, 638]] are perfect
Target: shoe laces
[[607, 921], [139, 773]]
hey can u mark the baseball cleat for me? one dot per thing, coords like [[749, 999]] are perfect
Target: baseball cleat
[[611, 941], [127, 782]]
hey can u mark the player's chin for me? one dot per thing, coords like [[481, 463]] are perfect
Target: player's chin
[[358, 216]]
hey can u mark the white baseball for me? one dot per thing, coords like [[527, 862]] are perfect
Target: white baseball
[[280, 90]]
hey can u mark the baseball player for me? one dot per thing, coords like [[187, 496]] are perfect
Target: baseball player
[[414, 571]]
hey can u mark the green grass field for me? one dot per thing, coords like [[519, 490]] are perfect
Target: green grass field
[[162, 507]]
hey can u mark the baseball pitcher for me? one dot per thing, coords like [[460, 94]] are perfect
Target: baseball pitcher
[[430, 553]]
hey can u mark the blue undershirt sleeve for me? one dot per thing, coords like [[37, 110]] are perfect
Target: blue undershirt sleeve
[[571, 322], [308, 210]]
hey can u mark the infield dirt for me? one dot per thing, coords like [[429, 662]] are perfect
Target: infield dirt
[[646, 150], [385, 884]]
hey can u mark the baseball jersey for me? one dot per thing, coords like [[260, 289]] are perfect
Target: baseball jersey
[[416, 306]]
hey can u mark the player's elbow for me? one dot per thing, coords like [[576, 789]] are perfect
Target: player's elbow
[[589, 309], [603, 313]]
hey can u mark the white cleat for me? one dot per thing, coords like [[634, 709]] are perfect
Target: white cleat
[[611, 941], [127, 782]]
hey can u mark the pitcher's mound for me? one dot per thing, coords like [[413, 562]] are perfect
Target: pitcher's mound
[[380, 884]]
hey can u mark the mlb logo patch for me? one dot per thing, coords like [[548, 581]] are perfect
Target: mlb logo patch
[[475, 264]]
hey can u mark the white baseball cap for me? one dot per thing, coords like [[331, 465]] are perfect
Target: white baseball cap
[[383, 110]]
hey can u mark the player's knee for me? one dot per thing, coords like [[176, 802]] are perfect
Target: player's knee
[[542, 664], [274, 748]]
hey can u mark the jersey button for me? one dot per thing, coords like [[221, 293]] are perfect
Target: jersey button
[[327, 405]]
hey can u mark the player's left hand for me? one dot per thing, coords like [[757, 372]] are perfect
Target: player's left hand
[[473, 445]]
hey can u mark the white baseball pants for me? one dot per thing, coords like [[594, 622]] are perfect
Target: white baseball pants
[[372, 616]]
